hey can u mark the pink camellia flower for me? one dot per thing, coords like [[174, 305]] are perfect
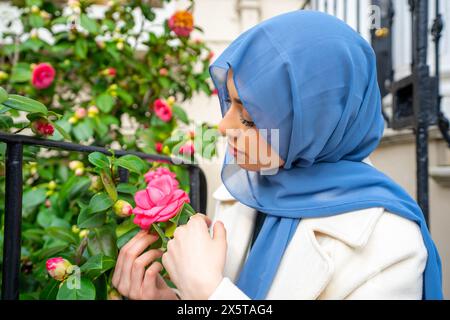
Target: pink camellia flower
[[42, 127], [43, 75], [162, 110], [159, 202], [163, 72], [159, 172], [58, 268], [158, 147], [187, 149], [182, 23]]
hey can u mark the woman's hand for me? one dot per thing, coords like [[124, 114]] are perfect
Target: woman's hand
[[131, 278], [194, 260]]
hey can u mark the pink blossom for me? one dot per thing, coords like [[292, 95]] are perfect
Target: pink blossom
[[162, 110], [159, 172], [159, 202], [122, 208], [158, 147], [187, 149], [43, 76]]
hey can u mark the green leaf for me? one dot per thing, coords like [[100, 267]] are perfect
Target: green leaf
[[89, 24], [132, 163], [6, 122], [25, 104], [103, 241], [60, 130], [81, 48], [123, 239], [62, 234], [83, 131], [105, 102], [33, 198], [125, 96], [100, 202], [88, 220], [75, 288], [99, 160], [126, 188], [4, 109], [109, 185], [180, 114], [3, 95], [50, 291], [125, 227], [36, 21], [96, 265]]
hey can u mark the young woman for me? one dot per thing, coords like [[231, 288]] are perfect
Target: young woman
[[302, 212]]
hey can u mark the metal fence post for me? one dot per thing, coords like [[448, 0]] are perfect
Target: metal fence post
[[13, 220]]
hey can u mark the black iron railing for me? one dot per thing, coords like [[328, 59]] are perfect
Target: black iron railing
[[416, 100], [14, 187]]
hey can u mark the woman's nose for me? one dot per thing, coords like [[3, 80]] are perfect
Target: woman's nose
[[229, 125]]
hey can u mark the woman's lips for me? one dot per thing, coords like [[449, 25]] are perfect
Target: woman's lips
[[233, 150]]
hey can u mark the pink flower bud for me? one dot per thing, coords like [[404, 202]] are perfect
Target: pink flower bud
[[122, 208], [43, 75], [80, 113], [42, 127], [163, 72], [58, 268], [158, 147]]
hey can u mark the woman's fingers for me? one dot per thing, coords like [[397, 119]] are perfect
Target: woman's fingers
[[151, 275], [138, 270], [130, 254], [120, 258]]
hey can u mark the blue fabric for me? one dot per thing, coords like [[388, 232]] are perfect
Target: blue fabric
[[314, 78]]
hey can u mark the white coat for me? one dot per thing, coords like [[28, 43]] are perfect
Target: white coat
[[364, 254]]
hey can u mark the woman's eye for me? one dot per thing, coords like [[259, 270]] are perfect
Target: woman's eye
[[247, 123]]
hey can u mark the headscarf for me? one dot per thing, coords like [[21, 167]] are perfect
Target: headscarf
[[312, 77]]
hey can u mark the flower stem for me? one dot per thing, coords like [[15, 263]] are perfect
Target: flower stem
[[161, 234]]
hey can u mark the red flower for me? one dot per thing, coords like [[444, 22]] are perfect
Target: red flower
[[112, 72], [43, 76], [162, 110], [158, 147], [214, 92], [42, 127], [182, 23]]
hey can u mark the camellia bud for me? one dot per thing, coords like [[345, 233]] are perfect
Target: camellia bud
[[92, 111], [52, 185], [75, 229], [119, 46], [75, 164], [163, 72], [35, 9], [42, 127], [166, 150], [73, 120], [79, 171], [122, 208], [3, 75], [80, 113], [170, 100], [84, 233], [58, 268], [113, 294]]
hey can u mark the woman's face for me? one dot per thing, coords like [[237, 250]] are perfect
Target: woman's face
[[250, 149]]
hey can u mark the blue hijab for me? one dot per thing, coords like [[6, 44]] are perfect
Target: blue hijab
[[312, 77]]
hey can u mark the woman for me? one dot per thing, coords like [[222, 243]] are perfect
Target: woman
[[302, 213]]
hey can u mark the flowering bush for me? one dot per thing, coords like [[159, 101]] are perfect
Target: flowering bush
[[99, 80]]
